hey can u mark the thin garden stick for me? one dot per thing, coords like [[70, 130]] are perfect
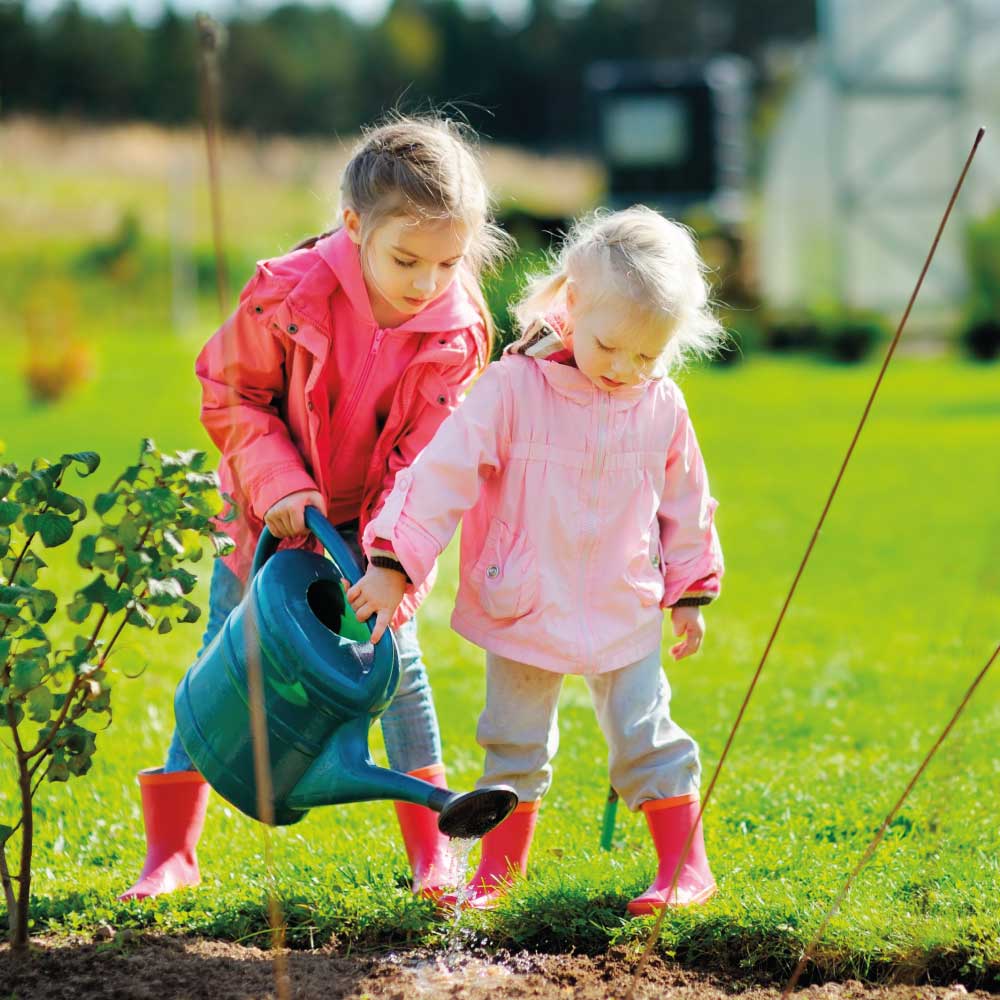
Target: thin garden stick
[[211, 35], [870, 850], [658, 924]]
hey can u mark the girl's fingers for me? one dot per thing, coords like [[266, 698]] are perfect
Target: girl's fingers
[[381, 624]]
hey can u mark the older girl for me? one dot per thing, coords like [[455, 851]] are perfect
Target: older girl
[[337, 367]]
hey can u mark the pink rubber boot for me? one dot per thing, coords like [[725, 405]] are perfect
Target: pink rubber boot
[[426, 845], [504, 858], [173, 812], [670, 822]]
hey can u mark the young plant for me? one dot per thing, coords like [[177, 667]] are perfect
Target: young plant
[[157, 515]]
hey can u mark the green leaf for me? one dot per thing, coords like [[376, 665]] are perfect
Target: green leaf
[[9, 511], [4, 541], [43, 604], [85, 554], [192, 612], [171, 541], [90, 460], [54, 528], [165, 625], [67, 504], [103, 502], [40, 704], [138, 615], [26, 675], [78, 609], [6, 832], [222, 544], [8, 476], [159, 502], [163, 593], [58, 771]]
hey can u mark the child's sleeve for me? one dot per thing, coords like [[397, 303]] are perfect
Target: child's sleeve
[[429, 497], [242, 375], [692, 556]]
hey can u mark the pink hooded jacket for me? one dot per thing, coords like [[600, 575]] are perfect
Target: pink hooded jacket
[[584, 513], [265, 387]]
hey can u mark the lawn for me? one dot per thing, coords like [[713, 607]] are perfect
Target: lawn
[[896, 612]]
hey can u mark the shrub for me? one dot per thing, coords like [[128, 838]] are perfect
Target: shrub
[[156, 516]]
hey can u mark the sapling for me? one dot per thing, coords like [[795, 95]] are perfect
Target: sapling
[[55, 680]]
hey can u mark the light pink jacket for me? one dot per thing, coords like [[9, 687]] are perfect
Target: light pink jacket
[[265, 379], [583, 513]]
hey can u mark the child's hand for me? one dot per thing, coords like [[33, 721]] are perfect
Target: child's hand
[[689, 623], [287, 517], [377, 593]]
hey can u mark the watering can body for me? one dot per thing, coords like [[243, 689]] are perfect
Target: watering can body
[[322, 684]]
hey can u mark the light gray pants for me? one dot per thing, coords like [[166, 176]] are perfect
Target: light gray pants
[[649, 755]]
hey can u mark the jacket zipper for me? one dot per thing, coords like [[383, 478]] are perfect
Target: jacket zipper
[[358, 390], [596, 472]]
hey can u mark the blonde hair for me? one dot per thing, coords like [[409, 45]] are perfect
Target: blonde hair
[[639, 256]]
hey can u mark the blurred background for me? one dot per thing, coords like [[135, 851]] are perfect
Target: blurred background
[[811, 143]]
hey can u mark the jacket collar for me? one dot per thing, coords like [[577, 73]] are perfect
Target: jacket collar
[[546, 342], [452, 310]]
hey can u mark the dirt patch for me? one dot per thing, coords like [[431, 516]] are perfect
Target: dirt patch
[[156, 967]]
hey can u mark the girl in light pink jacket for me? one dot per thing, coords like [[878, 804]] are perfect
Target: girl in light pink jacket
[[337, 367], [585, 515]]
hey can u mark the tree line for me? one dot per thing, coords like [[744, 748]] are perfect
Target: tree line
[[307, 69]]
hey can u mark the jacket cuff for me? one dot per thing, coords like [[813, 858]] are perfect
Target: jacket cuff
[[386, 561], [281, 482]]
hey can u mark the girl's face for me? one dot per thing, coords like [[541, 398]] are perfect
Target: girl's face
[[615, 344], [409, 263]]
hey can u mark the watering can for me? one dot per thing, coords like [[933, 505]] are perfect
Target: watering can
[[323, 684]]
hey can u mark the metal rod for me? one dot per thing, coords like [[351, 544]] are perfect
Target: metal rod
[[877, 839], [211, 35], [655, 932]]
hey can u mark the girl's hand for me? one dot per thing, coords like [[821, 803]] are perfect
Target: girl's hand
[[378, 593], [690, 623], [286, 518]]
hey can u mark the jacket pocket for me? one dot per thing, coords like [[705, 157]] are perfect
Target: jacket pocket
[[645, 570], [506, 573]]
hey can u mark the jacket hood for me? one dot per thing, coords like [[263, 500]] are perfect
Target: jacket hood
[[452, 310], [547, 343]]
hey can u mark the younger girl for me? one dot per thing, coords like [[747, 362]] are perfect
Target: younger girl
[[586, 511], [339, 364]]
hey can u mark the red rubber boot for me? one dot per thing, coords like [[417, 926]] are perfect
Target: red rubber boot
[[670, 822], [504, 858], [426, 845], [173, 812]]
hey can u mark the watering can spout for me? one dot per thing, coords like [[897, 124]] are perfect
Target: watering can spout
[[341, 774]]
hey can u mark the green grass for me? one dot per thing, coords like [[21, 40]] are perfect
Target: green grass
[[897, 610], [895, 613]]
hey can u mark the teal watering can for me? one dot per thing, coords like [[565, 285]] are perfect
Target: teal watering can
[[324, 684]]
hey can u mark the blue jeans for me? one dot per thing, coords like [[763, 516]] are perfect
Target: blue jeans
[[409, 724]]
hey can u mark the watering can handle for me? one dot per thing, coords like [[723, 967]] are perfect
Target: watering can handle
[[329, 537]]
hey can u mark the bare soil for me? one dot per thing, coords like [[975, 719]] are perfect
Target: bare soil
[[157, 967]]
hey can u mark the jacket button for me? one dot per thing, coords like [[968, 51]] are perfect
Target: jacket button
[[292, 328], [656, 561], [442, 400], [493, 572], [258, 309], [310, 405]]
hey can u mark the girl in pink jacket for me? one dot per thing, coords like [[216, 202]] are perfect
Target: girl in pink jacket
[[337, 367], [585, 514]]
